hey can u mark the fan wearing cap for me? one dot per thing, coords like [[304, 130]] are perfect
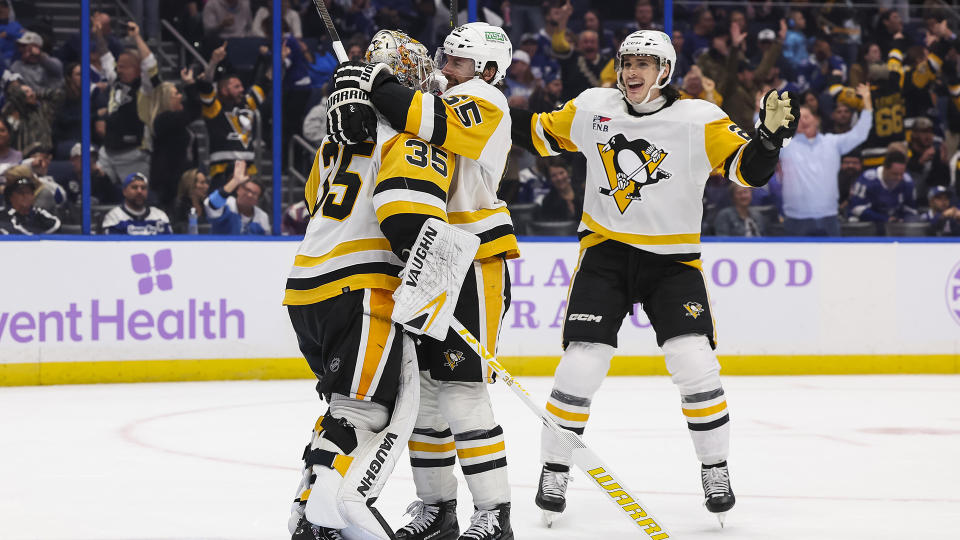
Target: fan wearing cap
[[943, 216], [926, 161], [134, 216], [648, 155], [232, 208], [36, 67], [21, 216], [519, 81]]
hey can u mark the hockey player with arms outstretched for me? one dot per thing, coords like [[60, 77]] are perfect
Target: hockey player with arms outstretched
[[368, 202], [648, 158], [470, 119]]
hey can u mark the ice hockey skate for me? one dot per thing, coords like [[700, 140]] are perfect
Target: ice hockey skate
[[431, 522], [306, 531], [490, 524], [718, 496], [551, 491]]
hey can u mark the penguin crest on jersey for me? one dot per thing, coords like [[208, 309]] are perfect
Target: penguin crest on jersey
[[630, 165], [241, 120]]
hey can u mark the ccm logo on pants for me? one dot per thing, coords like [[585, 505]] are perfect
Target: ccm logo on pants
[[586, 317]]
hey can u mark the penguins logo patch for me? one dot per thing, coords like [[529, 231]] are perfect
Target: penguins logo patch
[[694, 309], [630, 165], [241, 120], [452, 358]]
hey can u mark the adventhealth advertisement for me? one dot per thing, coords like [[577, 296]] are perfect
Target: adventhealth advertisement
[[139, 301]]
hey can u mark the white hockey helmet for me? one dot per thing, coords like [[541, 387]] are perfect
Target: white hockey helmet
[[408, 59], [648, 43], [480, 42]]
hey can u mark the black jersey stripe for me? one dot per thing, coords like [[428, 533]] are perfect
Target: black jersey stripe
[[412, 184], [484, 466], [495, 233], [307, 283], [709, 425], [431, 463], [439, 135], [479, 434]]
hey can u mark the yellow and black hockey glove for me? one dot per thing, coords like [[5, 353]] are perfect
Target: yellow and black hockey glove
[[779, 116]]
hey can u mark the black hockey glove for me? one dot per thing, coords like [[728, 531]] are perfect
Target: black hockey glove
[[354, 74], [779, 116], [351, 118]]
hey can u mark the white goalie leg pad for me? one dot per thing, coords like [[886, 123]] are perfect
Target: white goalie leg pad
[[582, 369], [694, 368], [343, 494], [431, 280]]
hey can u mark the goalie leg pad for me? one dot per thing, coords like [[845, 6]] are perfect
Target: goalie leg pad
[[578, 377], [431, 280], [694, 368], [349, 479]]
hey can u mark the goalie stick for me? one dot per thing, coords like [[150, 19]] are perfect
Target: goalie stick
[[582, 456], [328, 22]]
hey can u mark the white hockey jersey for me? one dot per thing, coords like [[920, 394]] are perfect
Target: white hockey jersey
[[471, 120], [645, 173], [350, 192]]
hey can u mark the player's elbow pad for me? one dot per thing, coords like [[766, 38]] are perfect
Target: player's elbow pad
[[520, 129], [401, 230], [758, 163]]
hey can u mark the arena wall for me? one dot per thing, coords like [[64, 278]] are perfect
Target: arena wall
[[176, 310]]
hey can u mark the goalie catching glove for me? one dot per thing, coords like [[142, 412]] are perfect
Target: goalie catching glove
[[431, 280], [779, 116]]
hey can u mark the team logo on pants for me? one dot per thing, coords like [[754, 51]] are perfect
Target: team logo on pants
[[452, 358], [630, 165], [694, 309]]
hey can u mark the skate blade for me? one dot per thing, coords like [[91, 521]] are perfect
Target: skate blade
[[722, 518], [549, 517]]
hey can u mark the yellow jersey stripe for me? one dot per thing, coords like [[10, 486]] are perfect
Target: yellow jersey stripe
[[293, 297], [558, 124], [346, 248], [641, 239], [700, 413], [478, 451], [406, 207], [473, 216], [560, 413], [417, 446]]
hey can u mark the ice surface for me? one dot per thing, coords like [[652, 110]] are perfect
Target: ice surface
[[851, 457]]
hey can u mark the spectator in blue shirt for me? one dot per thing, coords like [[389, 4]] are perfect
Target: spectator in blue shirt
[[10, 31], [134, 217], [884, 194], [237, 215], [810, 165], [822, 68], [943, 216], [795, 44]]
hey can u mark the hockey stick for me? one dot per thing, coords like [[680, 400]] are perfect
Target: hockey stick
[[328, 22], [454, 14], [582, 456]]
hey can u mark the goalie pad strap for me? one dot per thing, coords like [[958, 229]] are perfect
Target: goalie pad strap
[[339, 433], [319, 457]]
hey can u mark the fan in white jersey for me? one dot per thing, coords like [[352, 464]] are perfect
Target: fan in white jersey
[[456, 420], [648, 157], [367, 203]]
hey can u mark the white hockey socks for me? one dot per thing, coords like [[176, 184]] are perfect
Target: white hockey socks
[[578, 377], [432, 450], [694, 368]]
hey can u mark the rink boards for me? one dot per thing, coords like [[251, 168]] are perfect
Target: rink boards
[[122, 311]]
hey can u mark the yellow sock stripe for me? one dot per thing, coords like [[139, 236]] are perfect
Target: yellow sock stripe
[[417, 446], [317, 427], [341, 463], [305, 495], [477, 451], [707, 411], [573, 417]]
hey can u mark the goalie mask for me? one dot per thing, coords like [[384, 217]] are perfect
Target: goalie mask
[[408, 58], [480, 42], [648, 43]]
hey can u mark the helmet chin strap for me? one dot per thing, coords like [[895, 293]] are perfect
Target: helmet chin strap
[[663, 71]]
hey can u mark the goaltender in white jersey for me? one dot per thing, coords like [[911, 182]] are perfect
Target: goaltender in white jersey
[[648, 158]]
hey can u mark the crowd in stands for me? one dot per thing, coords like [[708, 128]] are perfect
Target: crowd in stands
[[181, 155]]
